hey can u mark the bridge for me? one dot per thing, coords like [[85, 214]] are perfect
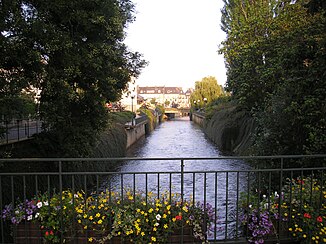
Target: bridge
[[176, 112]]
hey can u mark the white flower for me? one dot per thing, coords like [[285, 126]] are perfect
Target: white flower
[[36, 215], [264, 196], [29, 217], [16, 212], [250, 206], [266, 205], [276, 194], [158, 217], [156, 224], [46, 203], [39, 204]]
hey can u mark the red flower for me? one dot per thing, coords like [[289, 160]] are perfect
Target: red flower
[[306, 215], [178, 217], [319, 219], [46, 233], [301, 182], [51, 233]]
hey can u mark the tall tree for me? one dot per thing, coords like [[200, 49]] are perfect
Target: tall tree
[[275, 57], [208, 89], [73, 52]]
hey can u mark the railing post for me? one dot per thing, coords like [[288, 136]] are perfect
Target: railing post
[[61, 204], [7, 132], [182, 178], [182, 182], [1, 221], [17, 130], [280, 200]]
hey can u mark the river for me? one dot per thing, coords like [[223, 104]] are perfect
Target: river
[[204, 179]]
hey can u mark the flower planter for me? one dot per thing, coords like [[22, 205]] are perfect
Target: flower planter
[[28, 233], [31, 233]]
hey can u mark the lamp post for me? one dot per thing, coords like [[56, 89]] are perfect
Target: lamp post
[[205, 102], [132, 109]]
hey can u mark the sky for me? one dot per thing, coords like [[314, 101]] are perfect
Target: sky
[[179, 39]]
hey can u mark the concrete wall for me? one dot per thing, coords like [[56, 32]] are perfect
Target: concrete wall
[[134, 133], [198, 118]]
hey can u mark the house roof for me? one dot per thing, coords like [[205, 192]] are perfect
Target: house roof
[[160, 90]]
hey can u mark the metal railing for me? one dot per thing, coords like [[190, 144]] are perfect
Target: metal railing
[[233, 186], [18, 130]]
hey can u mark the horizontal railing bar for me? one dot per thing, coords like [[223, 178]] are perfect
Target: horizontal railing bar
[[161, 172], [159, 158]]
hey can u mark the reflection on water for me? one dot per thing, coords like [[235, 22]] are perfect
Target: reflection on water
[[204, 180]]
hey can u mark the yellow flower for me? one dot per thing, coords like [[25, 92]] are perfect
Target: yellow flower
[[168, 207], [85, 227], [154, 229], [165, 226], [304, 236], [100, 222], [98, 215], [290, 229], [185, 209], [142, 233], [164, 216], [79, 221], [90, 239], [90, 217], [85, 216], [173, 219], [153, 239], [130, 197], [150, 210]]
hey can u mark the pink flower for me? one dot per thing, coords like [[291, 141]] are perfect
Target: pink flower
[[178, 217], [306, 215], [319, 219]]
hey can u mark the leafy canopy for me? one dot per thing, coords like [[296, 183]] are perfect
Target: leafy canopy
[[73, 52]]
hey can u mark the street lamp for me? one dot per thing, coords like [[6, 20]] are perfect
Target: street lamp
[[132, 109], [205, 102]]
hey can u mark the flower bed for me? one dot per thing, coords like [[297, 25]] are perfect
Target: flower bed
[[299, 211], [105, 217]]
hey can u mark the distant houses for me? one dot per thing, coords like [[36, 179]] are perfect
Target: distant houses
[[167, 96]]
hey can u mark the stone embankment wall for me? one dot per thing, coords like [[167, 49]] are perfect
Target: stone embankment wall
[[115, 141], [231, 129], [134, 133]]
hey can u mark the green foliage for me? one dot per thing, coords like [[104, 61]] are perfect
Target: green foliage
[[153, 101], [151, 118], [218, 104], [17, 107], [206, 88], [275, 57], [160, 109], [73, 52], [120, 117]]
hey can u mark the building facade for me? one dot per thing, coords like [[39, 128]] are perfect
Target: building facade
[[166, 96]]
